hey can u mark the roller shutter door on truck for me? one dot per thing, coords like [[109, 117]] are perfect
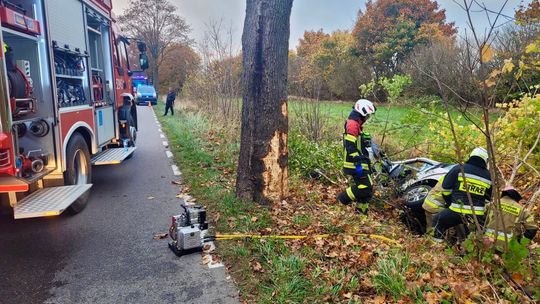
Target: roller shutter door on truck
[[66, 22]]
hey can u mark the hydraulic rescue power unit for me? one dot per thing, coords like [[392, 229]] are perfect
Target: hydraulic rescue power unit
[[188, 230]]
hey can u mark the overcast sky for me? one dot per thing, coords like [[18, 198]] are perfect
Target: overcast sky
[[329, 15]]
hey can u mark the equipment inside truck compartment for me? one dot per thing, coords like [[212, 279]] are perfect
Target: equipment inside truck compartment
[[100, 60], [70, 71], [29, 86], [14, 14]]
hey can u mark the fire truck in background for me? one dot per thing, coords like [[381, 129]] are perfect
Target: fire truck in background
[[66, 102]]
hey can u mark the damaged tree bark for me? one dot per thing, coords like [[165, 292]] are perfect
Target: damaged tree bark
[[262, 166]]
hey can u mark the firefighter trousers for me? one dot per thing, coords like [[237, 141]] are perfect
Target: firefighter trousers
[[447, 219], [360, 192]]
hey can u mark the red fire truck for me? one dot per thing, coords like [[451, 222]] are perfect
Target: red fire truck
[[65, 102]]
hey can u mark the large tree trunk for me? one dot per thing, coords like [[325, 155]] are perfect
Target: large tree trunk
[[262, 167], [155, 75]]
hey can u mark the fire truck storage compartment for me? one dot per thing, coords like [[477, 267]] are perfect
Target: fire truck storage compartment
[[98, 28], [31, 99], [104, 124], [67, 32], [19, 15], [66, 23], [71, 77]]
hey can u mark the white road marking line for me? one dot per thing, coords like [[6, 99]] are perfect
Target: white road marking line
[[165, 143], [161, 135], [175, 170], [212, 265], [169, 154]]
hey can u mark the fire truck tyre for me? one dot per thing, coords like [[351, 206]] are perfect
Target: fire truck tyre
[[416, 192], [78, 169]]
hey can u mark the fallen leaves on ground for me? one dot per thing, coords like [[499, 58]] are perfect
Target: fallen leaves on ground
[[206, 259], [305, 213], [256, 266], [160, 236], [311, 209]]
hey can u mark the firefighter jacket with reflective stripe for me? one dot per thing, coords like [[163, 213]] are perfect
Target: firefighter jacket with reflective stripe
[[477, 182], [517, 221], [355, 144], [434, 201]]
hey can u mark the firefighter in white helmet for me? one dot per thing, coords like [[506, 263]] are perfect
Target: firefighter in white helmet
[[356, 162], [456, 189]]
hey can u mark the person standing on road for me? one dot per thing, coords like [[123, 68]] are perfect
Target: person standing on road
[[169, 102], [456, 189], [356, 162]]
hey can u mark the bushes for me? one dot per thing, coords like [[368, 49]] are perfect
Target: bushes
[[441, 143], [520, 124], [306, 157]]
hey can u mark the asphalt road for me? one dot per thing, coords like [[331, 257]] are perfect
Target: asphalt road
[[107, 253]]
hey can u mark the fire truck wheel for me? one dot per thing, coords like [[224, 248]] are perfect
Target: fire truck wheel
[[78, 169]]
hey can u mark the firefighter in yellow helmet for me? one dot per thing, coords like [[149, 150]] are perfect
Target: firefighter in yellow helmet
[[512, 221]]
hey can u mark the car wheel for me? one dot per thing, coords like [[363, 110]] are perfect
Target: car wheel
[[416, 193], [78, 169]]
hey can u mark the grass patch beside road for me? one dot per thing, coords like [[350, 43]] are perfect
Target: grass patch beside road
[[208, 161]]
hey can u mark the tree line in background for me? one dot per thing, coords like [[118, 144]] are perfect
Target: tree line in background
[[388, 38]]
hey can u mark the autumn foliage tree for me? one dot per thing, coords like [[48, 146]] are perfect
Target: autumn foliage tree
[[326, 66], [179, 62], [157, 24], [387, 31]]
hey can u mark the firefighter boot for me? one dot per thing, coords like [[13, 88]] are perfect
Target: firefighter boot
[[344, 198], [362, 208]]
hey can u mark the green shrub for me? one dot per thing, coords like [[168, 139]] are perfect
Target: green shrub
[[307, 157], [516, 254], [520, 123]]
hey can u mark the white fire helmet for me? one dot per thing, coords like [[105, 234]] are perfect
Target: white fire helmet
[[480, 152], [364, 107]]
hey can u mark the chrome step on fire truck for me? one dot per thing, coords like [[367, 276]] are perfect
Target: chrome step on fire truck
[[65, 102]]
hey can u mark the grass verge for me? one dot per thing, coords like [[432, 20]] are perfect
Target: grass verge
[[207, 170]]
